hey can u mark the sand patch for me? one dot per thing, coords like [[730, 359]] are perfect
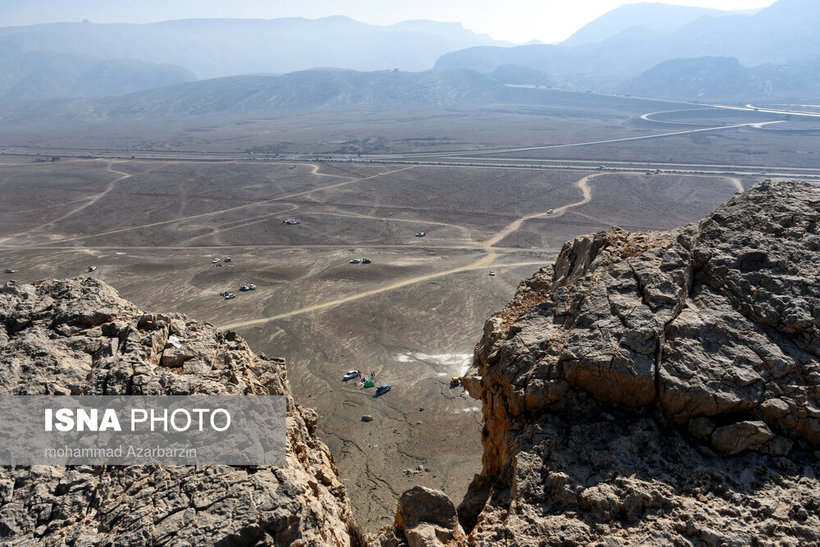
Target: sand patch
[[447, 364]]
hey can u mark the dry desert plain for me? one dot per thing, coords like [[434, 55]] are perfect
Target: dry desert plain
[[152, 227]]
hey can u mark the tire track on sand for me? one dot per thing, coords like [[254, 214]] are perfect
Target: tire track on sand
[[483, 262], [221, 211], [89, 201]]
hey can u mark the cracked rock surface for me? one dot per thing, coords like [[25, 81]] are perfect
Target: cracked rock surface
[[79, 337], [659, 387]]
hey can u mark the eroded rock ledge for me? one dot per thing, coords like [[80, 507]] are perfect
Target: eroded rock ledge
[[659, 386], [80, 337]]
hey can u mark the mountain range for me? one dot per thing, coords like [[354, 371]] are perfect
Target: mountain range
[[652, 16], [782, 36], [211, 48], [647, 49]]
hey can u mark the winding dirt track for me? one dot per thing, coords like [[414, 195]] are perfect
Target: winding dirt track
[[218, 212], [487, 246], [88, 203]]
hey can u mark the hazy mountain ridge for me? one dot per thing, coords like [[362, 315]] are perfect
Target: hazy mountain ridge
[[49, 74], [213, 48], [294, 92], [779, 35], [724, 78], [641, 52], [652, 16]]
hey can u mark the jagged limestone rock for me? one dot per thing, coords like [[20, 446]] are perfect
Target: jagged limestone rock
[[647, 387], [80, 337]]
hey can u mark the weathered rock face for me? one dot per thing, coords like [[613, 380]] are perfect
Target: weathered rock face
[[80, 337], [424, 518], [618, 382]]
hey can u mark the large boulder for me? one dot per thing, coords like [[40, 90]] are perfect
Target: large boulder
[[657, 386], [424, 518]]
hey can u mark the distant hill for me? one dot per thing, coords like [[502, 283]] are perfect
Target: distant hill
[[48, 74], [652, 16], [213, 48], [521, 75], [312, 90], [724, 78], [783, 34], [307, 90]]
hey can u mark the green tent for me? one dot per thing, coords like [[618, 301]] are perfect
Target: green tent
[[369, 383]]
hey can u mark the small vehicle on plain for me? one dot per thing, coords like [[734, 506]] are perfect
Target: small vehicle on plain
[[381, 390], [350, 375]]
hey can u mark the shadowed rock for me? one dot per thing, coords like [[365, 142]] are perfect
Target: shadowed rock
[[608, 375]]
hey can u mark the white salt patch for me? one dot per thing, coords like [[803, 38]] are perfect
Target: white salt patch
[[448, 364], [467, 410]]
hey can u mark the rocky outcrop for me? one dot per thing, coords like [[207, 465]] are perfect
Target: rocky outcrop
[[80, 337], [424, 518], [659, 387]]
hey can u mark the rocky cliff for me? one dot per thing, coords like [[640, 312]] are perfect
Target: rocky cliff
[[659, 387], [80, 337]]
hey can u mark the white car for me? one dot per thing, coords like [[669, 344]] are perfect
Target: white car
[[350, 374]]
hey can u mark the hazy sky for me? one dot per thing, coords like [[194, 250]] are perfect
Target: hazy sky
[[513, 20]]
